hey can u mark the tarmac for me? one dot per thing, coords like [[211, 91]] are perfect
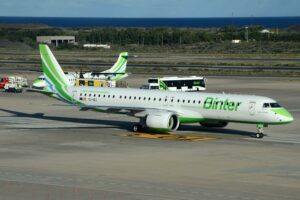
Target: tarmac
[[50, 150]]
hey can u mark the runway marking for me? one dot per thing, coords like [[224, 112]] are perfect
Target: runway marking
[[170, 137]]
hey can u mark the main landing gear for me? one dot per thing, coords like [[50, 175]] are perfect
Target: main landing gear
[[138, 128], [260, 130]]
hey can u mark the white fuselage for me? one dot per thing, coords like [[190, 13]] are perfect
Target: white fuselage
[[227, 107]]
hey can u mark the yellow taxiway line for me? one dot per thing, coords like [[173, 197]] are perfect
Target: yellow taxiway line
[[169, 137]]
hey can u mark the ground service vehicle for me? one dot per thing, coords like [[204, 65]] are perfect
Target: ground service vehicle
[[95, 83], [184, 84], [13, 87], [100, 83], [3, 82], [13, 79]]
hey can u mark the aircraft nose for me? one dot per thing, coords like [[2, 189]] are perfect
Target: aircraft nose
[[285, 116], [288, 116]]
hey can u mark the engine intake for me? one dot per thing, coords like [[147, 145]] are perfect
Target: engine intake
[[162, 121]]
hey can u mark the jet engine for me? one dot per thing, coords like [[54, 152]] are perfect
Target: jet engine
[[162, 121]]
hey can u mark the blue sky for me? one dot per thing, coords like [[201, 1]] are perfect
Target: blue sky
[[150, 8]]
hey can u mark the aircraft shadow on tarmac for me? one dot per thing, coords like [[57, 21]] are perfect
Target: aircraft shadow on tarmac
[[212, 130], [122, 124]]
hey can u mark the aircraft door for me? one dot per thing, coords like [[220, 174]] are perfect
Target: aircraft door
[[252, 108]]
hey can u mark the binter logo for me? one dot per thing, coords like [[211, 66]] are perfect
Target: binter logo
[[216, 104]]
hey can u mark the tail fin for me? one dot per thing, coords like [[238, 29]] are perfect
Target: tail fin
[[54, 75], [120, 65]]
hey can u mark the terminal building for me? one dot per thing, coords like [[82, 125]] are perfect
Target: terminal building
[[56, 40]]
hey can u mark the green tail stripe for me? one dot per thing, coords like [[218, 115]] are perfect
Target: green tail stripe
[[49, 63], [120, 63], [60, 89], [119, 66]]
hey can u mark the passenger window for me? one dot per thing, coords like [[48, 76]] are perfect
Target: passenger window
[[134, 98], [108, 96], [94, 95], [199, 102], [125, 97], [178, 100], [90, 94], [189, 101], [139, 98], [129, 97], [159, 99], [98, 95], [85, 94], [183, 101], [194, 101], [149, 99], [121, 97], [113, 96], [144, 98], [154, 99], [80, 94], [104, 96]]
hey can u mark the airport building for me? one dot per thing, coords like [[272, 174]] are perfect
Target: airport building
[[56, 40]]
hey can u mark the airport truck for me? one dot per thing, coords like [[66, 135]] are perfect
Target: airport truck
[[13, 79], [100, 83], [13, 87], [3, 82]]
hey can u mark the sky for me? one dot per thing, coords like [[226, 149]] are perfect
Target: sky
[[149, 8]]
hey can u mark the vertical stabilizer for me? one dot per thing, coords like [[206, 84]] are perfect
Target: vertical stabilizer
[[54, 75], [120, 65]]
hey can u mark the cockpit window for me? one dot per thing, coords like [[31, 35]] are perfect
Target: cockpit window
[[275, 105], [271, 105], [266, 105]]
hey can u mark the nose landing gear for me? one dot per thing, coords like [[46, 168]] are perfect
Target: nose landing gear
[[260, 130]]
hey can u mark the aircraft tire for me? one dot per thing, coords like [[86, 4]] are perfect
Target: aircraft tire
[[137, 128], [259, 135]]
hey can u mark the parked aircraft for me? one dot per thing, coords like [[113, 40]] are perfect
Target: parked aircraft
[[116, 72]]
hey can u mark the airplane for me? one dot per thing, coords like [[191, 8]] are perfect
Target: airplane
[[116, 72], [164, 111]]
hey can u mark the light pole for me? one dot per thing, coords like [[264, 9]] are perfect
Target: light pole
[[246, 34]]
